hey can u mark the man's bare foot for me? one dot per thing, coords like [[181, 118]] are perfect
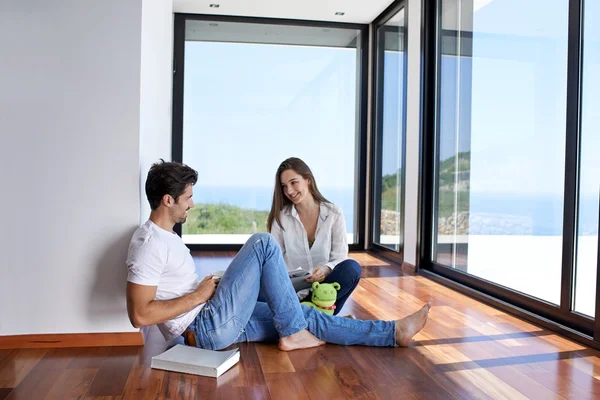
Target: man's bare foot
[[301, 340], [408, 327]]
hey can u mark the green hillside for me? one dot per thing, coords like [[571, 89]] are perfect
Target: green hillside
[[224, 219], [228, 219], [449, 170]]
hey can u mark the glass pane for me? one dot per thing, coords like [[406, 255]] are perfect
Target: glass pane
[[501, 142], [587, 243], [392, 130], [254, 95]]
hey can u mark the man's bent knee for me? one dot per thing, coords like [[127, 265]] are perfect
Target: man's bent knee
[[264, 236], [261, 235]]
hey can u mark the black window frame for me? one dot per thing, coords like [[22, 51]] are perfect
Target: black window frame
[[362, 99], [377, 132], [559, 318]]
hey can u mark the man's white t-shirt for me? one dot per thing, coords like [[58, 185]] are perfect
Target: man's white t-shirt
[[159, 258]]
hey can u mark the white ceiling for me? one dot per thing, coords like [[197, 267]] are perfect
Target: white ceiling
[[356, 11], [208, 31]]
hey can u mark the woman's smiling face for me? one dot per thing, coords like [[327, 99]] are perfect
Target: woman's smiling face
[[294, 186]]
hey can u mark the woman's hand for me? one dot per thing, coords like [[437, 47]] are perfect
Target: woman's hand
[[319, 274]]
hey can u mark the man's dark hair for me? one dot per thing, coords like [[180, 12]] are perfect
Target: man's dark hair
[[168, 178]]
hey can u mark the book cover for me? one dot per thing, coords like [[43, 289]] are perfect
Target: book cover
[[297, 276], [192, 360]]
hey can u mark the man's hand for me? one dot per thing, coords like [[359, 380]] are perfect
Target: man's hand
[[319, 274], [206, 289], [143, 310]]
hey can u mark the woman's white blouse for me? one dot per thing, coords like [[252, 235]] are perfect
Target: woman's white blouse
[[329, 248]]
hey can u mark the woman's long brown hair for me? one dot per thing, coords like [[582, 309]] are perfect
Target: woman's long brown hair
[[280, 200]]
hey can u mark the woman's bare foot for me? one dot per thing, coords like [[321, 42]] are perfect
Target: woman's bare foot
[[301, 340], [408, 327]]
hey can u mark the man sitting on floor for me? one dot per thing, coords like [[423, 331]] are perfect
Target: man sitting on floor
[[164, 289]]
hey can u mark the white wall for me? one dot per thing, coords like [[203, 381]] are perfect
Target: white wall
[[85, 109], [156, 90], [69, 154], [412, 131]]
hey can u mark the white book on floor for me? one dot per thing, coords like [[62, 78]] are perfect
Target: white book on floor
[[192, 360]]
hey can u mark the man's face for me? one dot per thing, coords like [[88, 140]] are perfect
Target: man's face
[[179, 211]]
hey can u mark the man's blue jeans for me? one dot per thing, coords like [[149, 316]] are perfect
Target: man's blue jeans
[[234, 315]]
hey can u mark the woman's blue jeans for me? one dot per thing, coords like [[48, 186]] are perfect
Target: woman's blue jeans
[[347, 274], [235, 315]]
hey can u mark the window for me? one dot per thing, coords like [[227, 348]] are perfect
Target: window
[[500, 170], [589, 184], [390, 109], [255, 94]]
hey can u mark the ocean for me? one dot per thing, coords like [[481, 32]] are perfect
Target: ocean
[[260, 198], [544, 213]]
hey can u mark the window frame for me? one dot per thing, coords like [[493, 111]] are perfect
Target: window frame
[[361, 108], [378, 63], [559, 318]]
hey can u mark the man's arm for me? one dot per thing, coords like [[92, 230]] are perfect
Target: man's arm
[[143, 310]]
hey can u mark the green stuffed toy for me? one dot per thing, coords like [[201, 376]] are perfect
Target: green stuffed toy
[[324, 296]]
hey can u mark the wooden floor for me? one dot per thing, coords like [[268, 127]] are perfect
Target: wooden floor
[[466, 351]]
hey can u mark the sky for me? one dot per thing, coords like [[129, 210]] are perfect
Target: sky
[[512, 102], [249, 106]]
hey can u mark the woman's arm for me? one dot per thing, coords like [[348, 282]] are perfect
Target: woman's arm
[[339, 249], [339, 241]]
